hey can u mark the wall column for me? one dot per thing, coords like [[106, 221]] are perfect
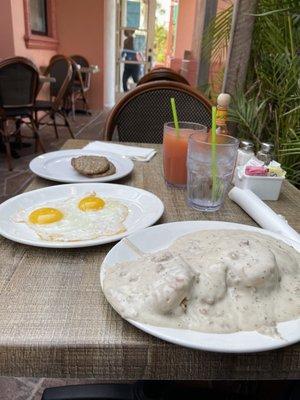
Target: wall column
[[239, 46], [109, 53], [204, 62], [198, 29], [7, 48]]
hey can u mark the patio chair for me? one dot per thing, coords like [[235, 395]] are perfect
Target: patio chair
[[19, 83], [81, 83], [160, 74], [60, 68], [140, 390], [175, 390], [140, 115]]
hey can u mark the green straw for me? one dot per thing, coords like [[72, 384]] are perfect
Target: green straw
[[175, 117], [214, 169]]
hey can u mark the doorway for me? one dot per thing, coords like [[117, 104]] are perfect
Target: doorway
[[145, 38], [134, 42]]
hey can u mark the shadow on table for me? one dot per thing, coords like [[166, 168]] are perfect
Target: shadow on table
[[167, 390]]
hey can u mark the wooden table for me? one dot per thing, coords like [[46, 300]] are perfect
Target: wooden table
[[92, 69], [55, 321]]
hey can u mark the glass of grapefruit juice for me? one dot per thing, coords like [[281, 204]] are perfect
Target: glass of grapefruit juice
[[175, 144]]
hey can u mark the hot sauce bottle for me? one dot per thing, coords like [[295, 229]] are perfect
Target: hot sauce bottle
[[223, 101]]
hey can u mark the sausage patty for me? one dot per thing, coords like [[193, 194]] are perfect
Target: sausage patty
[[93, 165]]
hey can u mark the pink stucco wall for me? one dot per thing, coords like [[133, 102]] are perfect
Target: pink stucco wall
[[185, 26], [6, 30], [80, 31], [184, 40], [40, 57], [12, 31]]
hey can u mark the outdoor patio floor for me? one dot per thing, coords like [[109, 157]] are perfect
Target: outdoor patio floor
[[13, 182]]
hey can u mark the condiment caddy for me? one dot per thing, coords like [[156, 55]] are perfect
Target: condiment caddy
[[260, 174]]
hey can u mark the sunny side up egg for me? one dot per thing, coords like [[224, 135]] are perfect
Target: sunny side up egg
[[76, 218]]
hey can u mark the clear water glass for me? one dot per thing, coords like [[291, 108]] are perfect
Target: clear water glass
[[205, 193]]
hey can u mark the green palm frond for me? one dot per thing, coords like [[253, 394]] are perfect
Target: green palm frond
[[250, 116], [269, 107], [216, 36], [212, 89], [273, 77]]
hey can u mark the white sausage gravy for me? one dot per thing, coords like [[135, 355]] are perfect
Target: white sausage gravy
[[211, 281]]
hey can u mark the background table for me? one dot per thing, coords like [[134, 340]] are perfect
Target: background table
[[92, 69], [47, 79], [55, 321]]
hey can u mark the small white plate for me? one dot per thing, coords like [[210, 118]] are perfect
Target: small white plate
[[161, 236], [144, 210], [56, 166]]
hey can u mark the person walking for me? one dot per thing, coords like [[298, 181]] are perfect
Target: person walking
[[129, 54]]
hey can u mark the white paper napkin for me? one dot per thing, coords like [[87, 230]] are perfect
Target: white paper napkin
[[261, 213], [135, 153]]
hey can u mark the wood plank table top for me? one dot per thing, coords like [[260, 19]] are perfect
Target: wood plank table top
[[55, 321]]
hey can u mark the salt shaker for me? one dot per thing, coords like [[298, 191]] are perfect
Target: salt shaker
[[245, 152], [265, 153]]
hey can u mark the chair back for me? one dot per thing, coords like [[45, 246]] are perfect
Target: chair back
[[162, 74], [141, 114], [76, 77], [55, 56], [19, 82], [60, 68], [83, 62]]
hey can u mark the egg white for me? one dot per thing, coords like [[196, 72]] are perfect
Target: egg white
[[77, 225]]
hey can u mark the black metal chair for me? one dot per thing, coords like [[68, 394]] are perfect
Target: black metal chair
[[162, 74], [19, 84], [141, 390], [141, 114], [86, 76], [60, 68], [89, 392], [81, 84], [177, 390]]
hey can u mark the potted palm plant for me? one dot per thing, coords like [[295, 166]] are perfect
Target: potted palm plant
[[267, 108]]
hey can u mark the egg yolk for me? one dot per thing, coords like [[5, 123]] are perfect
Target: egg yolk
[[45, 215], [91, 203]]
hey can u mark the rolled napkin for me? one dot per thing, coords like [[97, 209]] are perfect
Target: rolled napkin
[[135, 153], [261, 213]]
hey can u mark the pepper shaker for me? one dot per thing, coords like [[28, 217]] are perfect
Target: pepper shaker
[[265, 153]]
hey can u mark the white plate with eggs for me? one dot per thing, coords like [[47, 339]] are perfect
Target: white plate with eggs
[[56, 166], [79, 215]]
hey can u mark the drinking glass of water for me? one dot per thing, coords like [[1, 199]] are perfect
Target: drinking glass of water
[[209, 175]]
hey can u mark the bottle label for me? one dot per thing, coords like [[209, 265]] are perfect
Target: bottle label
[[221, 117]]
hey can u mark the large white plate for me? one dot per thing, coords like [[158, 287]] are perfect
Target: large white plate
[[161, 236], [56, 166], [144, 210]]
